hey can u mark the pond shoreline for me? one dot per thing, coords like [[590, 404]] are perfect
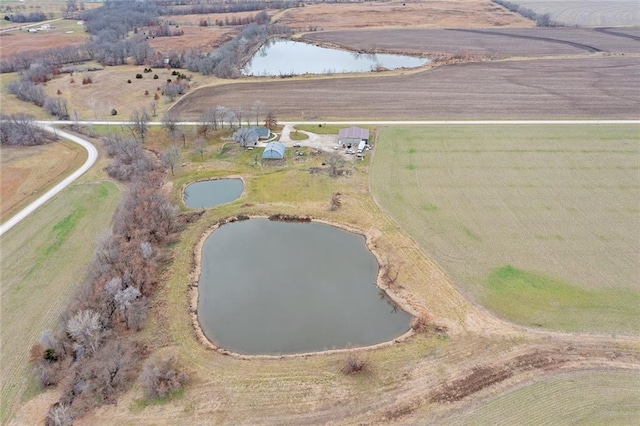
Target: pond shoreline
[[194, 277]]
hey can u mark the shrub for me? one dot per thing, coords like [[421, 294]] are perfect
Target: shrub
[[138, 76], [129, 81], [155, 76], [161, 377], [354, 363], [87, 80], [114, 112]]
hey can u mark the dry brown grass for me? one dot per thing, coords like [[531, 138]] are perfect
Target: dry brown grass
[[21, 41], [398, 13], [194, 37], [27, 172]]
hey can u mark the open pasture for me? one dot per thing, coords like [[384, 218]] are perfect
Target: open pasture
[[194, 37], [583, 397], [491, 42], [22, 41], [43, 260], [588, 13], [27, 172], [595, 87], [538, 223], [398, 13]]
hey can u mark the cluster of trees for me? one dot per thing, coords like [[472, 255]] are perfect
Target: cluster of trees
[[164, 30], [21, 130], [199, 8], [226, 61], [29, 17], [26, 90], [94, 355], [543, 20], [52, 57], [215, 117], [259, 19]]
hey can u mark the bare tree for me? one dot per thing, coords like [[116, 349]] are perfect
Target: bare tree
[[336, 163], [59, 415], [85, 328], [170, 157], [336, 201], [160, 377], [154, 108], [270, 121], [258, 109], [140, 124], [240, 114], [170, 121], [200, 146]]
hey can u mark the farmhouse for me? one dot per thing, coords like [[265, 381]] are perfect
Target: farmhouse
[[262, 132], [352, 136], [274, 150]]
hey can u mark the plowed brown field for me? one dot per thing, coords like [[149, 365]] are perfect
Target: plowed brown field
[[494, 42], [594, 87]]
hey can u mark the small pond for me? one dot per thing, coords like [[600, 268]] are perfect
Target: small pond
[[285, 57], [210, 193], [273, 288]]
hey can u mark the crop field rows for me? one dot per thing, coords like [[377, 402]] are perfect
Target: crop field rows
[[493, 42], [546, 88], [588, 13], [547, 211]]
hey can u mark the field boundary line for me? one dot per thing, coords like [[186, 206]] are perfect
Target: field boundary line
[[91, 159], [373, 122]]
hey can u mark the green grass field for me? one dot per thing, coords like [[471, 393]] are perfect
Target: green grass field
[[43, 260], [559, 204], [586, 397]]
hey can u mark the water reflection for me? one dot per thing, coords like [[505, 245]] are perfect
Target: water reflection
[[286, 57]]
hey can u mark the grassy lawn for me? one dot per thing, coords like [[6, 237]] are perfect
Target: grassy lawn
[[613, 398], [43, 260], [298, 136], [557, 203]]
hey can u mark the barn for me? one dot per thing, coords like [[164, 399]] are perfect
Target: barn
[[274, 151], [352, 136]]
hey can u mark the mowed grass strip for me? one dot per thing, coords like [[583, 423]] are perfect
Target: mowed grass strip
[[585, 397], [559, 202], [546, 302], [43, 261]]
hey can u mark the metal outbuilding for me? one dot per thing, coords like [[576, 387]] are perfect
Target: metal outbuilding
[[274, 151], [352, 136]]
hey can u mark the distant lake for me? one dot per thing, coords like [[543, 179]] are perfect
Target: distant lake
[[283, 57]]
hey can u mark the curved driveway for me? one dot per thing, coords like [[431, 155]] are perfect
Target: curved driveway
[[91, 159], [93, 153]]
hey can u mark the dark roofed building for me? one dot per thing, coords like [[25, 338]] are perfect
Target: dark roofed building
[[352, 136], [262, 132]]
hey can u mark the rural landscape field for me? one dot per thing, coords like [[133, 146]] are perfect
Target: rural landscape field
[[497, 191]]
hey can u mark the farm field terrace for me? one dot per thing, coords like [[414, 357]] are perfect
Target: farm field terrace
[[537, 223]]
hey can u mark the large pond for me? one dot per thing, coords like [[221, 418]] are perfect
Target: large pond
[[210, 193], [285, 57], [272, 288]]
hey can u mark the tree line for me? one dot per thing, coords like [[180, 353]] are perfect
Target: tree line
[[541, 20], [199, 8], [29, 17], [95, 354], [21, 130]]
